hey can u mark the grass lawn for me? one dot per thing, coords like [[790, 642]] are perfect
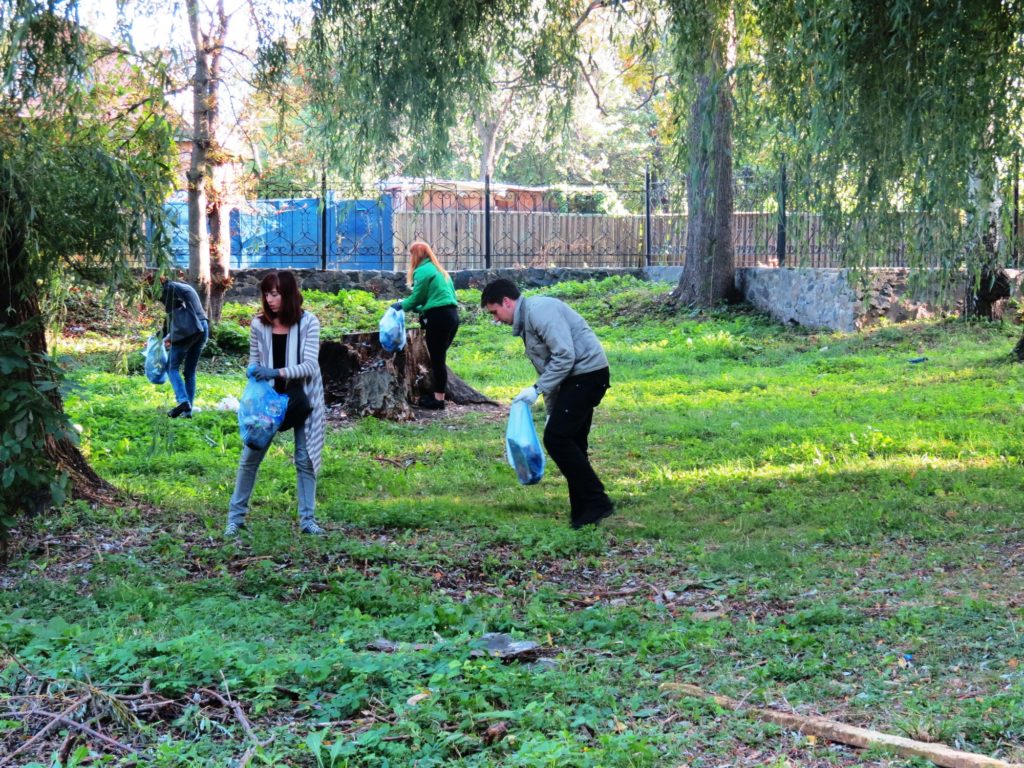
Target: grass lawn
[[806, 521]]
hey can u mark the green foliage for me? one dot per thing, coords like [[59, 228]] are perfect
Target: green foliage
[[419, 64], [85, 159], [801, 516], [29, 419], [230, 338], [911, 107]]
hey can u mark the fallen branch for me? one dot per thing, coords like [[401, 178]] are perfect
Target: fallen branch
[[236, 709], [86, 729], [842, 733], [55, 720]]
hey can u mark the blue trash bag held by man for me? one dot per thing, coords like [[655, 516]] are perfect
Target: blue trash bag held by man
[[392, 330], [156, 360], [261, 411], [522, 446]]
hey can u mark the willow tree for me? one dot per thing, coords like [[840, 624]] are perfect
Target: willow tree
[[705, 58], [386, 70], [85, 158], [905, 114]]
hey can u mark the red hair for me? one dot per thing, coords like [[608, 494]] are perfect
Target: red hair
[[419, 252]]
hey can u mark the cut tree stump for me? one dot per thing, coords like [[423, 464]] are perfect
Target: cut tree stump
[[367, 381]]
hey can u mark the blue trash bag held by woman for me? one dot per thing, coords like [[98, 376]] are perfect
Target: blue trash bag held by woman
[[522, 446], [260, 413], [392, 330], [156, 360]]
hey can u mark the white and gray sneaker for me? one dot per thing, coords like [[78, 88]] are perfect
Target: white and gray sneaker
[[232, 530], [313, 529]]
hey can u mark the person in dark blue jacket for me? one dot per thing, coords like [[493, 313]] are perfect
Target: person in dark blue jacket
[[186, 331]]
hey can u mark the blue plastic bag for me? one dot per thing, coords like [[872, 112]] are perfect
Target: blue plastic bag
[[260, 413], [392, 330], [522, 446], [156, 360]]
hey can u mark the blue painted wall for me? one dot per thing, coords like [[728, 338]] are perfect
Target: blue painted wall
[[278, 234]]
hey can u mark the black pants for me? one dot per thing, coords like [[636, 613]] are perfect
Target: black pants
[[566, 436], [441, 325]]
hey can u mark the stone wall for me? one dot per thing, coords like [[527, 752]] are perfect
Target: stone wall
[[842, 299], [391, 285], [837, 299]]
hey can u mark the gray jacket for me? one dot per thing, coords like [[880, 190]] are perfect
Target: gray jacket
[[558, 342]]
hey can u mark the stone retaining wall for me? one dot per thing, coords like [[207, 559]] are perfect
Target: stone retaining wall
[[837, 299], [842, 299], [391, 285]]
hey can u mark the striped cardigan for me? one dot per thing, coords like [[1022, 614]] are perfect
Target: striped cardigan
[[306, 333]]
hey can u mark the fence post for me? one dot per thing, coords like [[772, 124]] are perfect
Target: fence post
[[323, 219], [780, 237], [487, 221], [647, 215]]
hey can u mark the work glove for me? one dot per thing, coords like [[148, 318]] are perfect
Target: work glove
[[529, 395], [262, 373], [397, 306]]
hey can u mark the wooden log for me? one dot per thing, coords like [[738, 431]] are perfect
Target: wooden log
[[366, 380], [842, 733]]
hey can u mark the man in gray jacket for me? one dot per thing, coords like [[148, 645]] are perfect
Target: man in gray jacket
[[573, 379]]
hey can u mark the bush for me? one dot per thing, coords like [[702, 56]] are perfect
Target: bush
[[229, 338]]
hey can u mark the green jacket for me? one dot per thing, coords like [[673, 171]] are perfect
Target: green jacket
[[429, 289]]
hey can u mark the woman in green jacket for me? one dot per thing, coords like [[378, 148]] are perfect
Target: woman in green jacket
[[433, 296]]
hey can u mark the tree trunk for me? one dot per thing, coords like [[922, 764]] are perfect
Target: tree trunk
[[709, 268], [487, 133], [987, 283], [219, 196], [198, 236], [206, 153], [368, 381], [220, 245], [21, 309]]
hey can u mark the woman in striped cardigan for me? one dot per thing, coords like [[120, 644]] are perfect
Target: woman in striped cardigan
[[284, 345]]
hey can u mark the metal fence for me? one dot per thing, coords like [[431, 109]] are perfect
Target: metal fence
[[473, 225]]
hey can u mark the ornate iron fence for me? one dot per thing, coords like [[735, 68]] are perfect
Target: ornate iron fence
[[472, 225]]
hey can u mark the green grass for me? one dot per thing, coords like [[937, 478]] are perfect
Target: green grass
[[805, 520]]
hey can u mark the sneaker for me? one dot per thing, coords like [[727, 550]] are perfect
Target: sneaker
[[313, 529], [182, 410], [233, 529], [431, 403]]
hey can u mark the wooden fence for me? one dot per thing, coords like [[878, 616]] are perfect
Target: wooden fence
[[536, 239]]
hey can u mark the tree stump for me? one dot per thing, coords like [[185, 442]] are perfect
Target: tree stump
[[368, 381]]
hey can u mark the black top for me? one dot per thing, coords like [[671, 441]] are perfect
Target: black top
[[280, 351]]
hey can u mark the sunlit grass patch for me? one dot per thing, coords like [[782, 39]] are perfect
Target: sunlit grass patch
[[802, 516]]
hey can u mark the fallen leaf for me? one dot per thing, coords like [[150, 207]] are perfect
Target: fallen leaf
[[495, 733], [414, 700]]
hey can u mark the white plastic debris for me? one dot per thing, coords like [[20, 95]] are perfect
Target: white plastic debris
[[229, 403]]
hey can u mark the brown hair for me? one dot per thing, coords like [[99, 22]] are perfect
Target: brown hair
[[498, 290], [419, 252], [291, 298]]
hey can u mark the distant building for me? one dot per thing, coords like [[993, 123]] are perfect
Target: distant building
[[426, 194]]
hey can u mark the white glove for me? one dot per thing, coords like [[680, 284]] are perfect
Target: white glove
[[529, 394]]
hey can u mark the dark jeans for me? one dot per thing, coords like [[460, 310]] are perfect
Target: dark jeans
[[441, 325], [565, 438], [185, 353]]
